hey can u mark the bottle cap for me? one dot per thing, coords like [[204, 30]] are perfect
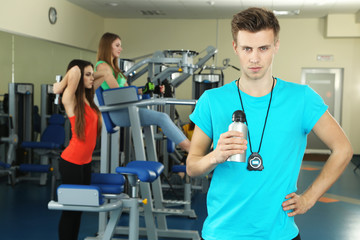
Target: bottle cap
[[238, 116]]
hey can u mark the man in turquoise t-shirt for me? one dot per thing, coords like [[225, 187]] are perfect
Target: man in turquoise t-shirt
[[252, 202]]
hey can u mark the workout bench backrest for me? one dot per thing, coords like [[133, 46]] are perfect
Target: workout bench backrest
[[110, 126], [115, 96], [120, 95], [55, 131]]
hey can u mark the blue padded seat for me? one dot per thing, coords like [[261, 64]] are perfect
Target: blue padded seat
[[147, 171], [43, 145], [108, 183], [35, 168], [53, 136], [179, 168], [5, 165]]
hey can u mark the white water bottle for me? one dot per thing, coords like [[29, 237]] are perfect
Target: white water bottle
[[238, 124]]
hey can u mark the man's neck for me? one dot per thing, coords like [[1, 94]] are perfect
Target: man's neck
[[256, 87]]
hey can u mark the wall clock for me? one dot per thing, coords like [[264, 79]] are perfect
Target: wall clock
[[52, 15]]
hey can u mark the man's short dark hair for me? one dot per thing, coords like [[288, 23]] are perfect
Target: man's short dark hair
[[254, 20]]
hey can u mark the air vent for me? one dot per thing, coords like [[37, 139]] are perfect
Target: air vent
[[152, 12]]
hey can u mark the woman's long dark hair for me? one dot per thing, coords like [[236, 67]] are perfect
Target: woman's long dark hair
[[80, 103]]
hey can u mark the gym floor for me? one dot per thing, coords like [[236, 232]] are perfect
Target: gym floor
[[24, 214]]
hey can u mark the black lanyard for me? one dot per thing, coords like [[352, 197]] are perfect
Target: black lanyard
[[267, 113]]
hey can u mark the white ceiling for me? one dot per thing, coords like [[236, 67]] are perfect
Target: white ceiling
[[212, 9]]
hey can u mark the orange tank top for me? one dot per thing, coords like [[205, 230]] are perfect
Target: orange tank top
[[80, 151]]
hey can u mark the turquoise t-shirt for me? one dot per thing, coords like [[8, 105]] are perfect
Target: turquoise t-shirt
[[120, 78], [246, 204]]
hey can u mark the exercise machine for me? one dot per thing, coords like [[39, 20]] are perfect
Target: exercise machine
[[120, 98], [49, 147], [105, 194], [21, 110], [19, 113], [172, 67], [163, 65], [209, 77]]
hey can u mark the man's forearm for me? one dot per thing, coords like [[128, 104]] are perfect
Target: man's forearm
[[200, 166], [331, 171]]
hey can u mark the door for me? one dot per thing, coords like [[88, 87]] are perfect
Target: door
[[327, 82]]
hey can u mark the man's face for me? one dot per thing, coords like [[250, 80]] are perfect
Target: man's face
[[256, 52]]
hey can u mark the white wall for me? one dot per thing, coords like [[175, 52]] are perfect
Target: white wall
[[75, 27]]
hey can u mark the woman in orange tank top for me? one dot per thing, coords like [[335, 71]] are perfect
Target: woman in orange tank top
[[77, 88]]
